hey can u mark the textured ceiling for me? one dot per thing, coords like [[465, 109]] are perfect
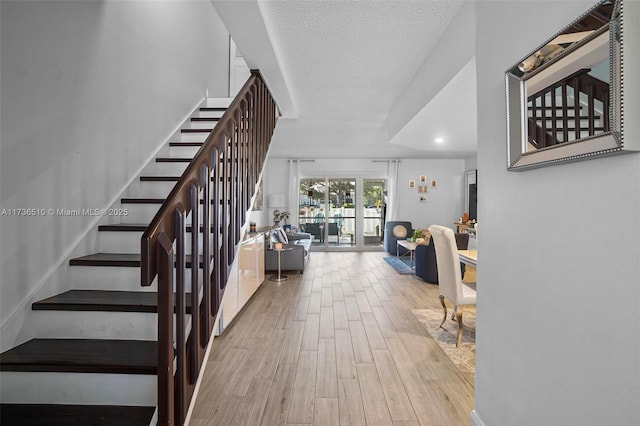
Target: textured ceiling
[[346, 63]]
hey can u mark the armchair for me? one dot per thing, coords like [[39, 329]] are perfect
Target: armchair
[[394, 231]]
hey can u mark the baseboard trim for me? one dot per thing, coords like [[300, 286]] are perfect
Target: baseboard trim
[[475, 419]]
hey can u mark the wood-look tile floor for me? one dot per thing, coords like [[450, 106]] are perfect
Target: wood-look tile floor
[[337, 345]]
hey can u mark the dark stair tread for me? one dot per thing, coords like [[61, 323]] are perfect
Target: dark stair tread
[[152, 201], [133, 227], [196, 130], [179, 143], [205, 118], [179, 160], [67, 415], [107, 259], [213, 108], [115, 259], [173, 160], [103, 301], [123, 227], [82, 356], [163, 178]]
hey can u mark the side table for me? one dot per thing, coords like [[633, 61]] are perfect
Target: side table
[[280, 277]]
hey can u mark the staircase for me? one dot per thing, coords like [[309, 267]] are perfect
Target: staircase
[[98, 359], [574, 108]]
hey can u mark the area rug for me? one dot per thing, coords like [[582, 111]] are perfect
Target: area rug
[[399, 264], [463, 356]]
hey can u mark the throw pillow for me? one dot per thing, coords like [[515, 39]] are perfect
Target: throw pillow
[[399, 231], [282, 236]]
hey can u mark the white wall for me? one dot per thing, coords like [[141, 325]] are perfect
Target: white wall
[[444, 203], [454, 50], [471, 162], [558, 340], [89, 91]]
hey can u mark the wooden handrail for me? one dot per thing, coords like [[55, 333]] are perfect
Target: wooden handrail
[[233, 155]]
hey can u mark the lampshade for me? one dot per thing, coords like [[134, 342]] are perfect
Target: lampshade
[[276, 200]]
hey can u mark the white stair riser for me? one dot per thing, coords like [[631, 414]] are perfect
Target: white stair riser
[[129, 242], [149, 189], [209, 114], [183, 151], [106, 278], [95, 325], [140, 213], [192, 137], [78, 388], [200, 124], [113, 278], [217, 102], [170, 169]]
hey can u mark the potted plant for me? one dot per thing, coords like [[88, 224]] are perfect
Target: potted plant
[[418, 236]]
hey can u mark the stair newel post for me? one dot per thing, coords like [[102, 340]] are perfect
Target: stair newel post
[[194, 201], [165, 262], [206, 255], [181, 311]]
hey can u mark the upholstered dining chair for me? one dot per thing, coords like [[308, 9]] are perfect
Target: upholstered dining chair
[[449, 276]]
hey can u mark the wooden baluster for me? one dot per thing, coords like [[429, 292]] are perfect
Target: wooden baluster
[[543, 125], [606, 108], [565, 112], [224, 217], [206, 255], [180, 309], [554, 116], [576, 106], [591, 109], [533, 123], [165, 262], [238, 180], [231, 232], [194, 201]]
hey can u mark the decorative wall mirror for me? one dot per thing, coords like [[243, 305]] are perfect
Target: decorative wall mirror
[[565, 99]]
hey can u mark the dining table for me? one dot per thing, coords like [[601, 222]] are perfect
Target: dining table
[[469, 257]]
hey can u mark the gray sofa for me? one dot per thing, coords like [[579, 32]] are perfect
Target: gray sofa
[[294, 259]]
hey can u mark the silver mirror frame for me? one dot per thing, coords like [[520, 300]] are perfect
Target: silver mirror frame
[[607, 143]]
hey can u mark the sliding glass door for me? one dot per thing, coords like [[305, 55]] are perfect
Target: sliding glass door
[[342, 212], [373, 211]]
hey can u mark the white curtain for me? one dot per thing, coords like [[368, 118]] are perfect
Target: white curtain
[[392, 191], [294, 184]]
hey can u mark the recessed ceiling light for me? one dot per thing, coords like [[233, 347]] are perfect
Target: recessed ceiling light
[[439, 140]]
